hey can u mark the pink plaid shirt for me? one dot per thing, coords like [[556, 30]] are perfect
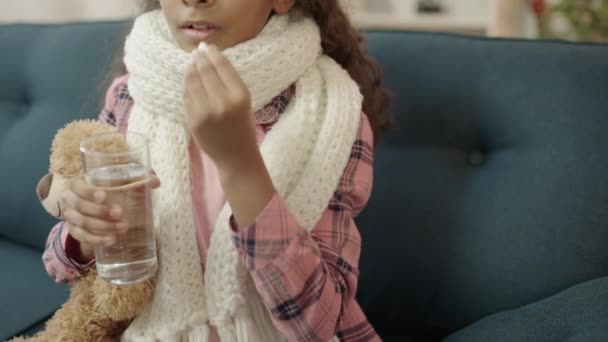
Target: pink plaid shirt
[[307, 280]]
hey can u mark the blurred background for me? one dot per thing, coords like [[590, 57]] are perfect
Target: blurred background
[[578, 20]]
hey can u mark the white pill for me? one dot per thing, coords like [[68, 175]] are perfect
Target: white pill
[[203, 46]]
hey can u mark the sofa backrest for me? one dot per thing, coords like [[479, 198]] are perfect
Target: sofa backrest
[[49, 76], [492, 191]]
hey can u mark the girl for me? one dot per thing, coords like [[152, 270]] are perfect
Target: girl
[[263, 142]]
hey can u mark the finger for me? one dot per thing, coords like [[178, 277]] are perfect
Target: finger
[[155, 182], [86, 191], [209, 77], [224, 69], [92, 209], [194, 92], [94, 240], [94, 225]]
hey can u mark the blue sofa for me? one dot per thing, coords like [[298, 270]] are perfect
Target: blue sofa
[[489, 217]]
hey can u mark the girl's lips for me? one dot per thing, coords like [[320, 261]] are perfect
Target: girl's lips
[[199, 34]]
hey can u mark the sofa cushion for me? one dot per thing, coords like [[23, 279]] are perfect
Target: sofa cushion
[[492, 191], [29, 296], [577, 314], [50, 76]]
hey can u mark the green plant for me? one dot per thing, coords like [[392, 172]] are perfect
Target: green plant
[[580, 20]]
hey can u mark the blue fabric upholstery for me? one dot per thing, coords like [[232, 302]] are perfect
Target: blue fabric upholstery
[[492, 191], [28, 294], [577, 314], [490, 195], [49, 75]]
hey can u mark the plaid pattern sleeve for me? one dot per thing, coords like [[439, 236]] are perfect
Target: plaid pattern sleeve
[[118, 104], [58, 256], [58, 264], [308, 281]]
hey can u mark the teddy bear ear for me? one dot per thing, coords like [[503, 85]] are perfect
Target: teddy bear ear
[[44, 186]]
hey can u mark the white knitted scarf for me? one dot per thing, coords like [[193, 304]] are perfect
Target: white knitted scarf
[[305, 153]]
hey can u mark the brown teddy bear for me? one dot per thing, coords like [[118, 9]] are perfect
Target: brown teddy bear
[[95, 310]]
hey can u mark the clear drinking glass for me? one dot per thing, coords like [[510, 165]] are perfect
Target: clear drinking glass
[[120, 165]]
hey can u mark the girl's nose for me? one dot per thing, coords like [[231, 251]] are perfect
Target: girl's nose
[[197, 2]]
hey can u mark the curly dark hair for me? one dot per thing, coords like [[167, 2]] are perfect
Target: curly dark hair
[[342, 42]]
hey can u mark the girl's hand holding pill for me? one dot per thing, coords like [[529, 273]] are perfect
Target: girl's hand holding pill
[[218, 109]]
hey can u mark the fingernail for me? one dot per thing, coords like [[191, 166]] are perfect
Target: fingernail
[[203, 47], [109, 241], [99, 196], [116, 213]]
